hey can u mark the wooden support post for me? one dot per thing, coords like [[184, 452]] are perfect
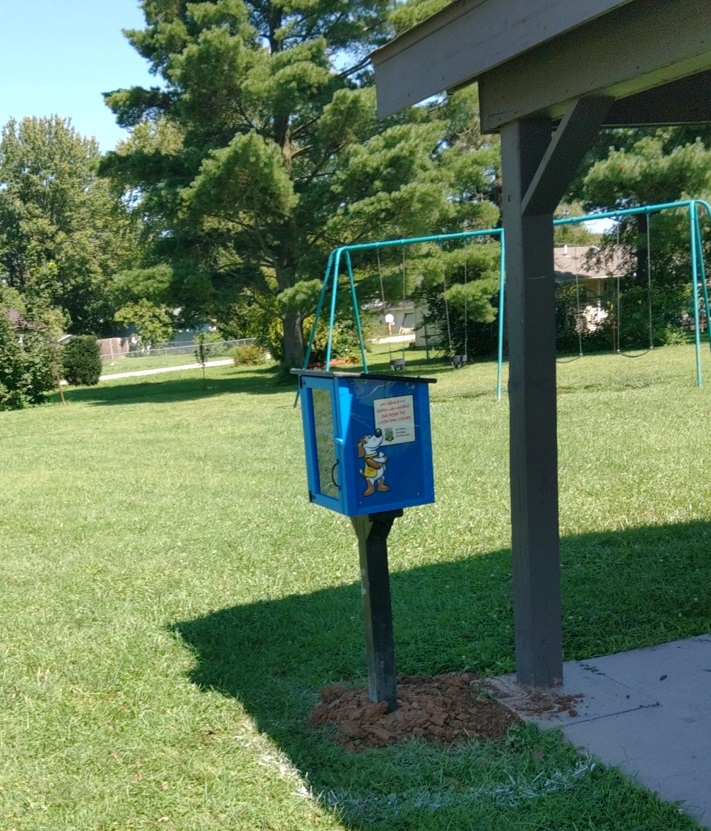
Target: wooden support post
[[372, 532], [530, 295]]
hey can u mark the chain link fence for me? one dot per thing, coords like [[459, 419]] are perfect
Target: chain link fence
[[216, 349], [112, 348]]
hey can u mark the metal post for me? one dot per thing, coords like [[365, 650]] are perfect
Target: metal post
[[372, 532], [356, 313], [502, 307], [695, 285], [334, 294], [702, 269]]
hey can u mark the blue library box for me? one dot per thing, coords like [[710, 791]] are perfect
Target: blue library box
[[367, 440]]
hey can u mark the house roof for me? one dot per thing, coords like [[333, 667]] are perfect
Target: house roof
[[572, 262], [17, 320]]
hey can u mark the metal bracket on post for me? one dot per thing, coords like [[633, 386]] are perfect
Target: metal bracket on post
[[372, 531]]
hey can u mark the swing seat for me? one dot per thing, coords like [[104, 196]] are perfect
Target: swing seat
[[397, 364], [458, 361]]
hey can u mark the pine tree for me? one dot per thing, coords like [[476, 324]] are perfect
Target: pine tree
[[261, 151]]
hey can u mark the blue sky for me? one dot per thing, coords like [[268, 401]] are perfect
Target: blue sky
[[58, 56]]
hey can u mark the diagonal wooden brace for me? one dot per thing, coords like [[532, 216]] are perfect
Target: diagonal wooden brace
[[570, 142]]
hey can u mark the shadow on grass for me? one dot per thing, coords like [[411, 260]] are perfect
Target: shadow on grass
[[621, 590], [162, 388], [418, 364]]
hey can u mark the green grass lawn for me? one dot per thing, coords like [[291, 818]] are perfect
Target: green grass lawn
[[140, 362], [173, 604]]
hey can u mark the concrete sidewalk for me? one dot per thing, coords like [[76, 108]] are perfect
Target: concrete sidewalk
[[647, 712], [137, 373]]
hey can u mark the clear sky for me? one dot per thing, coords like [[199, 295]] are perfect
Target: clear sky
[[58, 56]]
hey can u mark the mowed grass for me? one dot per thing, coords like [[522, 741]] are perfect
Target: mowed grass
[[124, 364], [173, 604]]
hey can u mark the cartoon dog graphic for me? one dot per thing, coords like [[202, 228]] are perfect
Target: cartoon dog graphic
[[374, 470]]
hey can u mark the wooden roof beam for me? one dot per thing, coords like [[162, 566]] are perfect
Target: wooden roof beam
[[467, 38], [639, 46], [687, 101]]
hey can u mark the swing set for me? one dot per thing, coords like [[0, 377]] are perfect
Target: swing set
[[457, 361], [618, 309], [396, 364], [698, 276], [581, 316], [342, 255]]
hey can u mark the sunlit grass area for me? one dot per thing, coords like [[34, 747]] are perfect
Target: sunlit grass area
[[173, 604], [133, 363]]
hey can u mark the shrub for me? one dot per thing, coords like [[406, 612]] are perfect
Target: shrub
[[25, 367], [81, 361], [248, 355], [344, 340]]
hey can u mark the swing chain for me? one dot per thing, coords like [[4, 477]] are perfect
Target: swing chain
[[649, 298]]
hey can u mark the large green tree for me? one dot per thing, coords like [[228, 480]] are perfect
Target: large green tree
[[62, 231], [644, 168], [260, 151]]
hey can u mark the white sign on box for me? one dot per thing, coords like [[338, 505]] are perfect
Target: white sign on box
[[396, 418]]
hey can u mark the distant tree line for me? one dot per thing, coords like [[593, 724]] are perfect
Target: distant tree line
[[256, 153]]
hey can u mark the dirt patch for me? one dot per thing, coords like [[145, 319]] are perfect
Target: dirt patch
[[444, 708]]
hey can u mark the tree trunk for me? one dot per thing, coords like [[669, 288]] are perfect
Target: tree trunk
[[292, 320], [293, 340]]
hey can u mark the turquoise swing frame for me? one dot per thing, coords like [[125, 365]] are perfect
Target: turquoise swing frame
[[342, 254]]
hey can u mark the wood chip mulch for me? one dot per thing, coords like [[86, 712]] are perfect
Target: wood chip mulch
[[452, 707]]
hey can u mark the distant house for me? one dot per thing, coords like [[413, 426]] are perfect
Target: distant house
[[590, 269], [588, 265], [19, 324], [403, 314], [398, 316], [426, 335]]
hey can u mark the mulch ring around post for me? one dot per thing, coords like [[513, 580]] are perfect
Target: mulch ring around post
[[452, 707], [447, 708]]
